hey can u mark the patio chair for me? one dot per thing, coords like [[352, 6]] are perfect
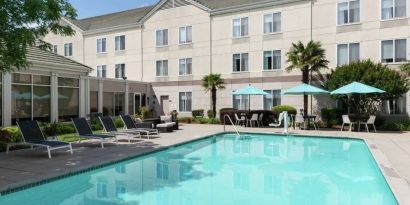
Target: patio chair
[[346, 120], [316, 122], [370, 121], [109, 127], [33, 136], [280, 119], [239, 120], [299, 120], [84, 130], [130, 125], [254, 119], [260, 118]]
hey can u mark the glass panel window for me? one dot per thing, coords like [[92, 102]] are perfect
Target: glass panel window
[[120, 71], [393, 9], [347, 53], [273, 99], [185, 66], [68, 49], [68, 82], [108, 104], [185, 35], [119, 104], [41, 80], [68, 98], [101, 45], [394, 107], [102, 71], [240, 102], [55, 49], [348, 12], [185, 101], [93, 101], [162, 68], [21, 78], [41, 103], [272, 60], [120, 43], [162, 37], [21, 106], [272, 22], [394, 51], [240, 27], [240, 62]]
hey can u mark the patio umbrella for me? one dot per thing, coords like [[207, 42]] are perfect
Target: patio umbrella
[[249, 90], [304, 89]]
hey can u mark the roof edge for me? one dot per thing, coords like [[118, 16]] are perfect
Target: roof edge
[[252, 6]]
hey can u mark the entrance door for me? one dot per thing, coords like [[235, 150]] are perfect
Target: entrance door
[[137, 102], [165, 104]]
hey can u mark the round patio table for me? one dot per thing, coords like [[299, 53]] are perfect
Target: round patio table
[[308, 118], [358, 118]]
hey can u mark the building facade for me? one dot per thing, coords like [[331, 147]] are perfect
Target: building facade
[[174, 43]]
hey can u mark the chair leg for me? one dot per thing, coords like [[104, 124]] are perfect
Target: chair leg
[[7, 149], [343, 124], [31, 147], [350, 127], [48, 151], [374, 127], [367, 127], [71, 148], [102, 143]]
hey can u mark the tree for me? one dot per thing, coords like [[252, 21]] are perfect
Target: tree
[[213, 82], [309, 59], [374, 74], [406, 68], [24, 23]]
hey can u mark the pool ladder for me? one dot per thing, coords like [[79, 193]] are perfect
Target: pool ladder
[[234, 126]]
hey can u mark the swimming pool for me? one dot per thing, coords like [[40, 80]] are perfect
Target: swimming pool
[[257, 169]]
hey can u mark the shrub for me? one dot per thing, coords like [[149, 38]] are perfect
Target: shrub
[[198, 113], [65, 128], [49, 129], [211, 114], [214, 121], [9, 134], [280, 108], [203, 120], [95, 124], [332, 116], [401, 125], [145, 112], [118, 122]]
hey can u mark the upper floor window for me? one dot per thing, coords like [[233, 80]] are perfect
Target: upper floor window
[[273, 99], [102, 71], [68, 49], [55, 49], [240, 27], [393, 9], [272, 23], [162, 37], [101, 45], [347, 53], [394, 51], [185, 66], [162, 68], [240, 62], [185, 35], [119, 70], [240, 102], [120, 43], [272, 60], [348, 12]]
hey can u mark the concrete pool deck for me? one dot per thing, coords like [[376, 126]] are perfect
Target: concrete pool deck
[[23, 167]]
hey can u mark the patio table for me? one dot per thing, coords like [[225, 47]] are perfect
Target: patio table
[[308, 118], [358, 119]]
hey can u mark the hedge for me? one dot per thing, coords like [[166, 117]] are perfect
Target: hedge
[[197, 113], [332, 116], [280, 108]]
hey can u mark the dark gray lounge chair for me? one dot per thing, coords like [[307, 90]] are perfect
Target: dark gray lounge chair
[[130, 125], [110, 128], [33, 136], [84, 130]]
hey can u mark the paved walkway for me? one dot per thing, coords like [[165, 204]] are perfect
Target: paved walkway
[[22, 167]]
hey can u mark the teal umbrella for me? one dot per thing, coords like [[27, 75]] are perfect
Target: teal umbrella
[[304, 89], [249, 90], [358, 88]]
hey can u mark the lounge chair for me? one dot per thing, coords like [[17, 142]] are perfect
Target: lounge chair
[[33, 136], [109, 127], [130, 125], [84, 130]]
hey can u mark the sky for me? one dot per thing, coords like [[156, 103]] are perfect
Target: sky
[[89, 8]]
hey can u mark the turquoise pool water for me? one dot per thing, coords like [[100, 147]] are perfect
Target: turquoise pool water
[[221, 170]]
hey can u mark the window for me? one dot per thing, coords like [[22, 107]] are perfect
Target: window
[[185, 101], [113, 103], [240, 102], [272, 23], [162, 68], [240, 62], [273, 99], [162, 37], [119, 70], [241, 181], [394, 107], [55, 49], [102, 71], [393, 9], [68, 98], [102, 190], [394, 51], [272, 60], [347, 53], [240, 27], [120, 43], [102, 45], [348, 12], [68, 49], [185, 66], [185, 35], [162, 171]]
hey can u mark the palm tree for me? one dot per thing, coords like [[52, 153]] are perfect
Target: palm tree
[[309, 59], [213, 82]]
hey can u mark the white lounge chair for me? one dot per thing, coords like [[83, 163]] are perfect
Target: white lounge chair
[[370, 121]]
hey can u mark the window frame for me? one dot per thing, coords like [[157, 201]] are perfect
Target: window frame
[[271, 95], [271, 52], [348, 52], [162, 33], [271, 14], [185, 73], [162, 67], [241, 99], [103, 68], [122, 66], [70, 49], [348, 13], [240, 63], [55, 49], [394, 12], [185, 110], [394, 51], [186, 42], [103, 45], [240, 27], [119, 49]]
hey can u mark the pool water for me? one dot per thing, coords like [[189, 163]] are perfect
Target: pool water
[[223, 170]]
